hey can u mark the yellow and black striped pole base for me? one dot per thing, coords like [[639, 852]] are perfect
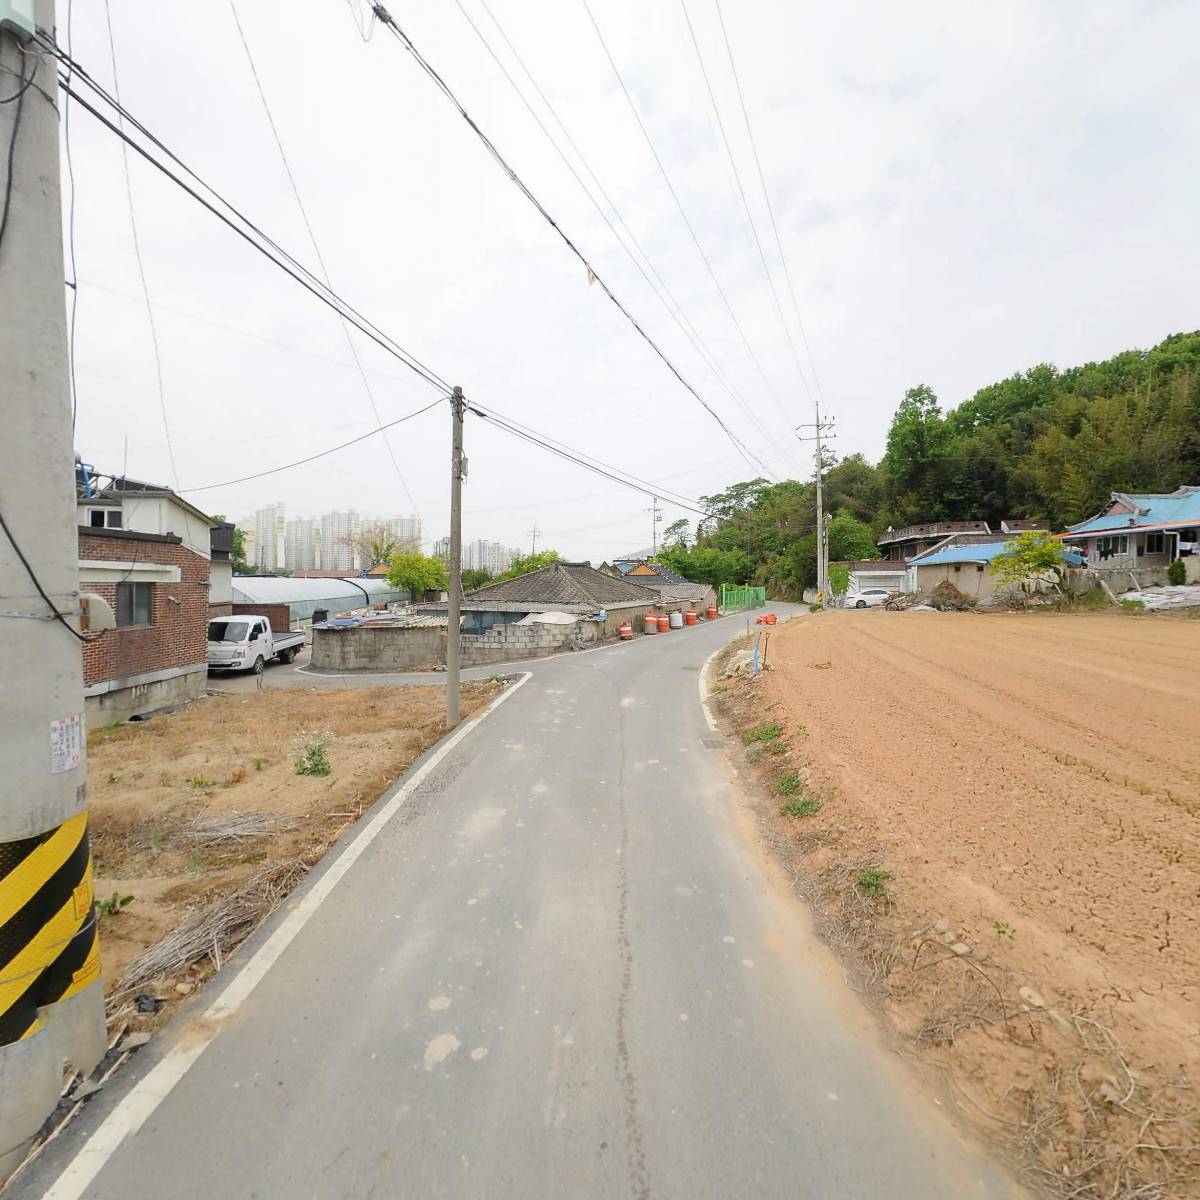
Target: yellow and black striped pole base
[[49, 949]]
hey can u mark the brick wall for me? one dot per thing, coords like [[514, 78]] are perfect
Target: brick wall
[[280, 615], [177, 634]]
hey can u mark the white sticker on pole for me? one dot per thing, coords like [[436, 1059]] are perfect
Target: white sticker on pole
[[66, 744]]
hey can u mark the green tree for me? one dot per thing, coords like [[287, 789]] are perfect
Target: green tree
[[676, 534], [416, 574], [473, 578], [850, 540], [524, 563], [839, 580], [1029, 556]]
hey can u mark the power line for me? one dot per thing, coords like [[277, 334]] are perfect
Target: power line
[[548, 445], [656, 284], [385, 18], [642, 484], [683, 213], [737, 179], [787, 274], [11, 155], [208, 487], [255, 237], [312, 237], [137, 254]]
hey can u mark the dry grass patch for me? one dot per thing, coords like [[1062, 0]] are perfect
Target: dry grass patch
[[200, 816]]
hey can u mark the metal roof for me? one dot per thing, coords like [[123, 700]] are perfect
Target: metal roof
[[305, 596], [956, 553], [1150, 510]]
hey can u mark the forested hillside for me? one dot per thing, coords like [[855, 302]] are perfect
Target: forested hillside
[[1046, 443]]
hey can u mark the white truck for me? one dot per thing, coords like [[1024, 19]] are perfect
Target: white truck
[[247, 643]]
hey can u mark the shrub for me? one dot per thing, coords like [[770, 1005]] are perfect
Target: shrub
[[762, 733], [312, 754], [1177, 572], [1133, 606], [788, 784], [873, 883], [808, 807]]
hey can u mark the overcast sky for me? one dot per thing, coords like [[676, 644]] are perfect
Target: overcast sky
[[962, 191]]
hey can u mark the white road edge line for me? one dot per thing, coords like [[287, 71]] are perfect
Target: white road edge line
[[129, 1116], [702, 683]]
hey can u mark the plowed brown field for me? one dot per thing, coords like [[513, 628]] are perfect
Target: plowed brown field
[[1031, 782]]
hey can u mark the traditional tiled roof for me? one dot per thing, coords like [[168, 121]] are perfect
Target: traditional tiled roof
[[563, 583]]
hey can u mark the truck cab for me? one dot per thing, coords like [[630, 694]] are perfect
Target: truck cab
[[247, 642]]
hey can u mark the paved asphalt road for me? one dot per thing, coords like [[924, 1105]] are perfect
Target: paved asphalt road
[[561, 970]]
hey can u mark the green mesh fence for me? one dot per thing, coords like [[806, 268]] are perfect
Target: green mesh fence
[[733, 598]]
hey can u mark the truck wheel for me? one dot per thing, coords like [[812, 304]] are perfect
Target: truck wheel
[[286, 656], [258, 665]]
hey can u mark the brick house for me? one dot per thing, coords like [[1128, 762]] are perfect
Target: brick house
[[146, 552]]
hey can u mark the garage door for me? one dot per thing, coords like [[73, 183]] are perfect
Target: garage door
[[893, 582]]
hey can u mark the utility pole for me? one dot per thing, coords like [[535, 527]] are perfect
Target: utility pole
[[51, 998], [534, 534], [821, 431], [655, 512], [454, 608]]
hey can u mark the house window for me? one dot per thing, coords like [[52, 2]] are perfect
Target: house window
[[1156, 543], [1106, 547], [104, 518], [134, 604]]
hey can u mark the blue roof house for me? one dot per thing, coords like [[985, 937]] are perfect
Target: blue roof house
[[1142, 530], [965, 564]]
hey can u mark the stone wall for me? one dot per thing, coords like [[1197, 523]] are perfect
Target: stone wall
[[386, 648]]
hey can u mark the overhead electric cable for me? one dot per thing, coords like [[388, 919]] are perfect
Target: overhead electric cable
[[291, 265], [265, 246], [654, 279], [208, 487], [312, 237], [137, 254], [386, 19], [787, 274], [73, 284], [548, 445], [683, 212], [737, 179]]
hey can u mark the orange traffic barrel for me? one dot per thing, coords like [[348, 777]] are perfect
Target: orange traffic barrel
[[626, 631], [770, 619], [690, 616], [650, 624], [664, 622], [711, 615]]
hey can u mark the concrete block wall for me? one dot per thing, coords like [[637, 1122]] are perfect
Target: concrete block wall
[[511, 643], [387, 648]]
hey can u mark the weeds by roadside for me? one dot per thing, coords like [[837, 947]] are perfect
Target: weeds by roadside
[[312, 753]]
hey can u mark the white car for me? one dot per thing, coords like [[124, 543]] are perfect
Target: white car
[[867, 597]]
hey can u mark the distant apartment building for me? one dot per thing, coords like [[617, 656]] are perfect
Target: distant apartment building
[[341, 533], [406, 531], [482, 555], [302, 544], [441, 548], [270, 526]]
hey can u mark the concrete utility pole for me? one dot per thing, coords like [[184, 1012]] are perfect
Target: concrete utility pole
[[821, 430], [454, 608], [51, 1000], [534, 533]]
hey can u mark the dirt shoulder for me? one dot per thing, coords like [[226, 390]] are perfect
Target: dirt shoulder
[[200, 823], [1002, 833]]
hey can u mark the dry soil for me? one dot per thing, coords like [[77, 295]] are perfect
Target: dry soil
[[1030, 785]]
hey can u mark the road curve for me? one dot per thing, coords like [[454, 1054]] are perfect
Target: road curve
[[562, 969]]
